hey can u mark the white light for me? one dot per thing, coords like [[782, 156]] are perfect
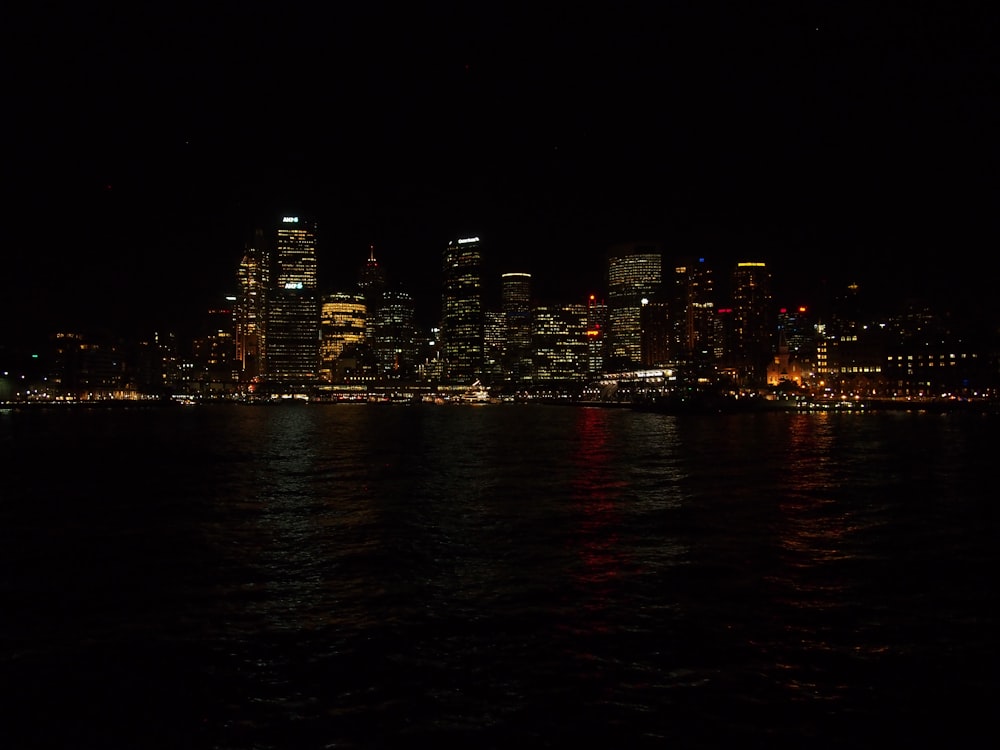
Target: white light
[[290, 219], [467, 240]]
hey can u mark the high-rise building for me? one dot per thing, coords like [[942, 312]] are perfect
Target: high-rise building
[[394, 340], [634, 275], [462, 310], [597, 324], [654, 319], [494, 346], [515, 294], [342, 324], [253, 279], [692, 311], [293, 332], [371, 284], [753, 318], [559, 343]]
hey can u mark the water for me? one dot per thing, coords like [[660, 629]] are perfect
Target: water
[[498, 576]]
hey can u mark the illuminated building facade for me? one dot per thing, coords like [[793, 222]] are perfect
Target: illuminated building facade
[[634, 274], [753, 319], [394, 340], [494, 345], [515, 292], [692, 311], [342, 324], [798, 331], [253, 280], [559, 342], [293, 332], [462, 310], [597, 324]]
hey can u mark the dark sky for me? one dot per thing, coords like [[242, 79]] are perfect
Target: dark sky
[[834, 140]]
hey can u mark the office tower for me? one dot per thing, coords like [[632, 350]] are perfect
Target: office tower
[[515, 296], [692, 311], [253, 279], [342, 324], [559, 343], [494, 346], [597, 323], [634, 274], [293, 334], [393, 335], [753, 319], [799, 332], [655, 329], [371, 284], [462, 311]]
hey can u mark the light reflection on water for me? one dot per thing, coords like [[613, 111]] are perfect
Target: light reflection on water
[[376, 576]]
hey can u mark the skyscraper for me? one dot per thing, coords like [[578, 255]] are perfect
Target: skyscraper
[[654, 318], [394, 336], [293, 333], [253, 279], [371, 284], [462, 310], [634, 274], [559, 343], [342, 323], [692, 311], [597, 324], [753, 318], [515, 292]]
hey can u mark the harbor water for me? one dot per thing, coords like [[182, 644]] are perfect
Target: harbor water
[[381, 576]]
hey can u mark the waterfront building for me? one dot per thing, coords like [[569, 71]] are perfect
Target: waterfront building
[[655, 333], [494, 345], [394, 342], [462, 310], [253, 281], [342, 324], [293, 332], [371, 285], [692, 310], [634, 275], [515, 292], [216, 371], [559, 343], [786, 368], [799, 333], [753, 319], [597, 323]]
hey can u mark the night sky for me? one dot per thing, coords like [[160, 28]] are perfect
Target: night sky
[[836, 141]]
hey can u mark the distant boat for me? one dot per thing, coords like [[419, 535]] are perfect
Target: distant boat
[[474, 394]]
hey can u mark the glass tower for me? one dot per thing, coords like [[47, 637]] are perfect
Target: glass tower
[[515, 290], [293, 332], [634, 273], [692, 311], [342, 322], [753, 318], [462, 310], [253, 279]]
